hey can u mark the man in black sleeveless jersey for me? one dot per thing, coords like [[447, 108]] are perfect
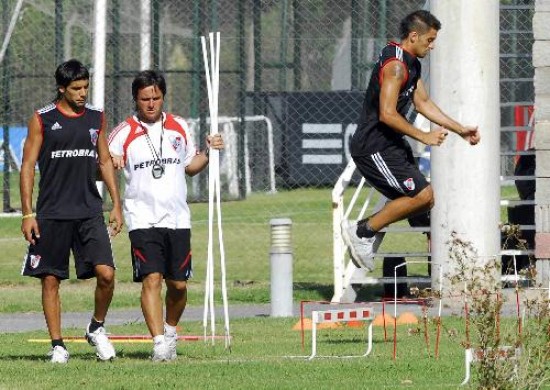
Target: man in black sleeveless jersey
[[378, 147], [67, 139]]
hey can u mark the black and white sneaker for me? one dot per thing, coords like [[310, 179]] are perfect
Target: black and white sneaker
[[99, 340], [59, 355]]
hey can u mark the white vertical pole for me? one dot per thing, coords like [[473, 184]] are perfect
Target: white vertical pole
[[145, 35], [214, 190], [464, 82], [11, 27], [98, 75]]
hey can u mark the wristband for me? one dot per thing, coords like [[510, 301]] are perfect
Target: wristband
[[26, 216], [207, 152]]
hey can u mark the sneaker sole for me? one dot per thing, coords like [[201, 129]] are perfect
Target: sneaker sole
[[109, 359], [160, 360], [355, 259], [347, 242]]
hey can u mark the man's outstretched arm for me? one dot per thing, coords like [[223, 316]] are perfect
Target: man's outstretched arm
[[430, 110]]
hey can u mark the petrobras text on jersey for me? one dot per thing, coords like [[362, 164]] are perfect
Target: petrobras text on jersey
[[73, 153], [150, 163]]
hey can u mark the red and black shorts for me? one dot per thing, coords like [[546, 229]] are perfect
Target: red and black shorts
[[87, 238], [393, 172], [162, 250]]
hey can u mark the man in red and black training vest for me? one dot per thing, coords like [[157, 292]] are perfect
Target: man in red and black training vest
[[379, 149], [67, 139]]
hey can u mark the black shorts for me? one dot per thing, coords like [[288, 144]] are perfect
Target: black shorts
[[87, 238], [166, 251], [393, 172]]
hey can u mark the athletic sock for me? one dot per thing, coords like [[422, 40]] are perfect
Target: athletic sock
[[95, 325], [364, 229], [158, 339], [58, 342], [170, 330]]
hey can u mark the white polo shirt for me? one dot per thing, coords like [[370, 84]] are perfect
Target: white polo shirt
[[150, 202]]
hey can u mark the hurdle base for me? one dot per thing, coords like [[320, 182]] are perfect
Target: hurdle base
[[331, 316], [502, 353]]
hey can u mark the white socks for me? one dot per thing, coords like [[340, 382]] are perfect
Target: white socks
[[169, 330]]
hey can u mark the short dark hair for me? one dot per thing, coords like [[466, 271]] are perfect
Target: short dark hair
[[146, 78], [67, 72], [420, 21]]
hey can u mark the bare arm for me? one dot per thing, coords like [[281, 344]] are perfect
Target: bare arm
[[430, 110], [31, 150], [108, 174], [393, 76], [200, 161]]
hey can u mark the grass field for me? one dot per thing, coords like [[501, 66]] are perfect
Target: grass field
[[257, 359]]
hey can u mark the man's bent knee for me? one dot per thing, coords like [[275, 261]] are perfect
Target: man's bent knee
[[152, 281], [426, 198], [105, 275], [50, 282], [176, 286]]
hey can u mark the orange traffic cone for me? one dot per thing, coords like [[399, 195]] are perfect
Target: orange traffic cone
[[407, 318], [322, 325], [379, 320]]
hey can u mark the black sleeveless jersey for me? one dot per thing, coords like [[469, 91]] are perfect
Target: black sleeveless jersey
[[68, 164], [372, 135]]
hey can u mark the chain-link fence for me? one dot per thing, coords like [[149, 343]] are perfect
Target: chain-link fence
[[291, 82], [516, 79]]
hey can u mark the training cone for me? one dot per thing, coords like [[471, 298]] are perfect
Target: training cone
[[379, 320], [322, 325], [307, 325], [407, 318]]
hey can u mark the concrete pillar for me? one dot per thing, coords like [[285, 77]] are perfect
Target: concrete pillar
[[464, 82], [541, 61]]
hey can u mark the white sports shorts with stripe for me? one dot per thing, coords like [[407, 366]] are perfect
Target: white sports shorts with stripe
[[393, 172]]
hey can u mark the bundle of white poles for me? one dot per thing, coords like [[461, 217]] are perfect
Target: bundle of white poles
[[212, 69]]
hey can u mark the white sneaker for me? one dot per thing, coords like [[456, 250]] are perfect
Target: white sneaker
[[361, 249], [59, 354], [161, 352], [99, 340], [172, 341]]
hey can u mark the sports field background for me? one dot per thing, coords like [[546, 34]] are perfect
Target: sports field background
[[270, 49]]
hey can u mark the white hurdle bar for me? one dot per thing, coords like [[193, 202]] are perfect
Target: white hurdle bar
[[343, 315]]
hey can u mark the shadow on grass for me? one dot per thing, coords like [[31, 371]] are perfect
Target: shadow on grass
[[90, 356], [138, 355], [351, 340], [30, 358]]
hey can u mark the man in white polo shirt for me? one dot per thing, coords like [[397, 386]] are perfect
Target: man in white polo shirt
[[156, 152]]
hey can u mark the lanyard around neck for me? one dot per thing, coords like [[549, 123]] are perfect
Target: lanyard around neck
[[156, 156]]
